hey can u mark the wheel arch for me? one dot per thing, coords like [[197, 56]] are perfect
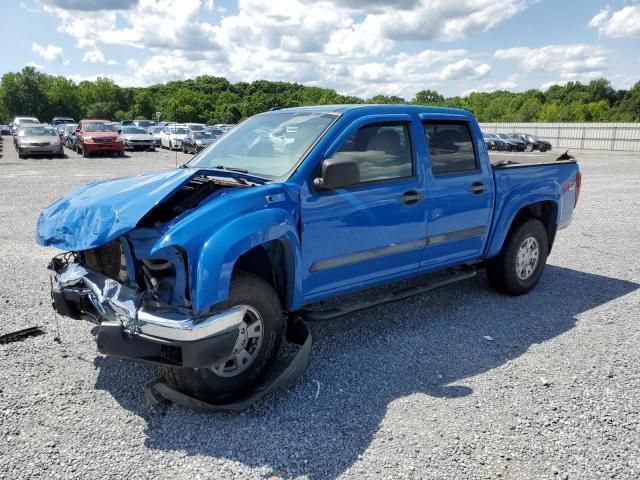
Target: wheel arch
[[546, 211], [265, 243]]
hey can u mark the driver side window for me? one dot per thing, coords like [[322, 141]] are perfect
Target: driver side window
[[382, 151]]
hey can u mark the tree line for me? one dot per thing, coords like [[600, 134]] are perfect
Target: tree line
[[210, 99]]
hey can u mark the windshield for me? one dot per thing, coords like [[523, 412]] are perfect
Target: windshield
[[39, 132], [99, 127], [145, 123], [179, 130], [202, 135], [194, 127], [70, 128], [269, 144], [155, 130], [136, 131]]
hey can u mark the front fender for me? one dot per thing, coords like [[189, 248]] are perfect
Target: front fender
[[211, 273], [514, 200]]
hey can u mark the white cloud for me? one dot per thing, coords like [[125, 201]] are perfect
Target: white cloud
[[510, 83], [35, 65], [92, 5], [571, 62], [50, 53], [354, 46], [622, 23]]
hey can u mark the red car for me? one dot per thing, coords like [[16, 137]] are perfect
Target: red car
[[96, 136]]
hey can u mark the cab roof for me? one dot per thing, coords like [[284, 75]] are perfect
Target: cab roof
[[377, 108]]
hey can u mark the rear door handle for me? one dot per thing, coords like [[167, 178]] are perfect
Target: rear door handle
[[411, 197], [477, 188]]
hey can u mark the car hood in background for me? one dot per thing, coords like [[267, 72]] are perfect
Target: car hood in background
[[97, 213], [40, 139], [138, 136]]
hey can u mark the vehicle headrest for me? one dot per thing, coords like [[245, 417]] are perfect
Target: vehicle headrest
[[386, 141]]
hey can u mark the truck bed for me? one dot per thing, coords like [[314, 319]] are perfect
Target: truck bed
[[511, 159]]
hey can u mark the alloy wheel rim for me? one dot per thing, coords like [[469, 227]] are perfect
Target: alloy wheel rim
[[527, 258], [247, 346]]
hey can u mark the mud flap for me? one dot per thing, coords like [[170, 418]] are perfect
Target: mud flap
[[158, 392]]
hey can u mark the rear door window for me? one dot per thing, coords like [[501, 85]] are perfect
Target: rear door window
[[450, 148]]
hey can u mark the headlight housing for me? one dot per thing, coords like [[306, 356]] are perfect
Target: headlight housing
[[88, 139]]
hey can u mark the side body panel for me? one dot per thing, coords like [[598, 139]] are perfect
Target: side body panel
[[517, 187]]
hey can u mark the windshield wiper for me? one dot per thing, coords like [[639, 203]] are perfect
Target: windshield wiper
[[232, 169]]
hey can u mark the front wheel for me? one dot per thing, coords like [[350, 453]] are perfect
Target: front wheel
[[529, 147], [519, 266], [256, 347]]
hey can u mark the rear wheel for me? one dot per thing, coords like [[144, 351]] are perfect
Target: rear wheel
[[519, 266], [256, 347]]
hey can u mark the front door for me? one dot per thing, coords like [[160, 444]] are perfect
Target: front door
[[375, 229]]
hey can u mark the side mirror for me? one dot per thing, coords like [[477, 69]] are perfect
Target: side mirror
[[338, 172], [77, 130]]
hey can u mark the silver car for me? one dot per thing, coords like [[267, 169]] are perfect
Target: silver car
[[156, 131], [38, 140], [138, 138]]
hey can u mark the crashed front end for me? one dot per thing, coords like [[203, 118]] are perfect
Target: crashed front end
[[139, 297], [135, 325]]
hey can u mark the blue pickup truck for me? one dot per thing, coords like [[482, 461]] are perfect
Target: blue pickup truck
[[198, 268]]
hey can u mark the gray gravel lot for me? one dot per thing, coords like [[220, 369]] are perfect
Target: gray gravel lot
[[409, 390]]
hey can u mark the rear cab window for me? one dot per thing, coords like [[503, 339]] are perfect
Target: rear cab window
[[451, 149]]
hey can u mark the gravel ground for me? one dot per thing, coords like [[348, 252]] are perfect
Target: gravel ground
[[409, 390]]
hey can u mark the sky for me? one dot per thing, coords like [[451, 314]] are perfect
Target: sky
[[357, 47]]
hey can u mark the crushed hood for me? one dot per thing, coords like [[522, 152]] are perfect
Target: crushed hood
[[97, 213]]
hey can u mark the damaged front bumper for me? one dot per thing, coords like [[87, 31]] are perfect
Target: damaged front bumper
[[135, 326]]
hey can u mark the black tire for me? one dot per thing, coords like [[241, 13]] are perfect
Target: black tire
[[84, 153], [502, 270], [20, 154], [204, 383]]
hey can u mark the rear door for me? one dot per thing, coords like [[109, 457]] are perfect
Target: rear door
[[375, 229], [460, 192]]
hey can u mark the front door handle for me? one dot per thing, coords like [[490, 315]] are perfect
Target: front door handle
[[411, 197], [477, 188]]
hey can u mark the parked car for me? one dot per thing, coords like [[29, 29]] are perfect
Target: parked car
[[144, 123], [216, 132], [34, 139], [534, 143], [197, 141], [5, 130], [98, 136], [225, 127], [156, 131], [69, 136], [15, 125], [125, 123], [21, 125], [172, 135], [138, 138], [493, 142], [62, 120], [514, 143], [196, 127], [197, 269]]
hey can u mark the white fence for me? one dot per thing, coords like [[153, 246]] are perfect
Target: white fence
[[590, 136]]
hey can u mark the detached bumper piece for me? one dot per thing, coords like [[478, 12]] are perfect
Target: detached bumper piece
[[139, 328], [158, 392]]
